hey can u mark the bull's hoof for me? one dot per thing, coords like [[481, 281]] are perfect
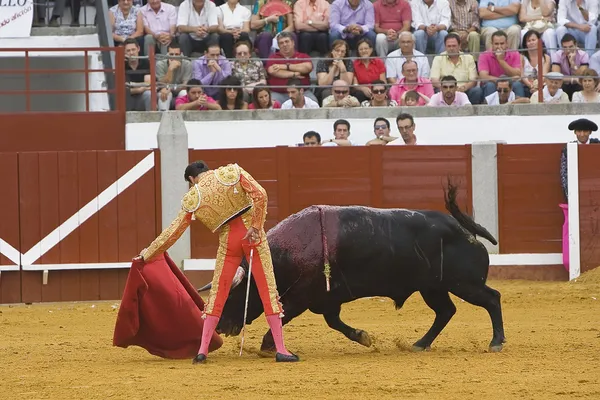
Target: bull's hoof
[[199, 359], [286, 358], [417, 348], [496, 348], [363, 338]]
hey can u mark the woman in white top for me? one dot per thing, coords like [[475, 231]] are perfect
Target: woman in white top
[[589, 81], [234, 25], [539, 15], [529, 62]]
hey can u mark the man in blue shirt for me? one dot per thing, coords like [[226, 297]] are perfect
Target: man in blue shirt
[[500, 15]]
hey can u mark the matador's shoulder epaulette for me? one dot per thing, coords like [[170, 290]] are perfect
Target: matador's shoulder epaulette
[[228, 175], [191, 200]]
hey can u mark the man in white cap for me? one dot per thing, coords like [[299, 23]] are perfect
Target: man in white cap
[[583, 129], [552, 92]]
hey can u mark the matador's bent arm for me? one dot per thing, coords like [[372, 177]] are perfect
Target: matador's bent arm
[[259, 199], [168, 236]]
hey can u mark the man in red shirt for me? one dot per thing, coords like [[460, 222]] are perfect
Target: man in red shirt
[[285, 64], [391, 18]]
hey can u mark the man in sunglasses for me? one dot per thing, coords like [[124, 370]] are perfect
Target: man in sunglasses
[[449, 96], [341, 96], [504, 94], [381, 128]]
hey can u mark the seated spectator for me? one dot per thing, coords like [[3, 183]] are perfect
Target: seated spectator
[[126, 23], [297, 99], [58, 10], [411, 81], [431, 20], [269, 28], [500, 16], [529, 62], [197, 23], [233, 25], [538, 16], [379, 96], [571, 62], [261, 99], [341, 96], [341, 132], [500, 62], [412, 99], [590, 83], [465, 23], [211, 69], [285, 64], [351, 20], [504, 93], [397, 58], [391, 18], [449, 96], [249, 72], [337, 66], [173, 73], [552, 93], [595, 62], [137, 76], [196, 99], [311, 21], [406, 126], [579, 19], [160, 25], [367, 70], [381, 128], [311, 139], [231, 96], [459, 65]]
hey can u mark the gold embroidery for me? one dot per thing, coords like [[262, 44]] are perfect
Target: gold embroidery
[[228, 175], [191, 200], [220, 261], [259, 199], [168, 236]]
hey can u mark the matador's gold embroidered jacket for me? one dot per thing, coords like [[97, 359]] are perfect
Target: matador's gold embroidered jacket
[[219, 195]]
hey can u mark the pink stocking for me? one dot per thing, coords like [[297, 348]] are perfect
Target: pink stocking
[[210, 323], [275, 324]]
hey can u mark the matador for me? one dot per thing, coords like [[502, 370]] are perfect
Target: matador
[[230, 202]]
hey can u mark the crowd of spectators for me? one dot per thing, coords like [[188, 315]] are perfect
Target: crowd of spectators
[[358, 53]]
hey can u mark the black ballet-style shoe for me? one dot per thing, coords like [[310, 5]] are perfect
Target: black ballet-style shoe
[[285, 358], [199, 359]]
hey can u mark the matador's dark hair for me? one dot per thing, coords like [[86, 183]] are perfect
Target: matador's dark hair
[[195, 169]]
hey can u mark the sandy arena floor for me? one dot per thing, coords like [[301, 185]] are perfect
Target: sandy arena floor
[[63, 351]]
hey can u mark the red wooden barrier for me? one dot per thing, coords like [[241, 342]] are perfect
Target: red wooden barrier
[[10, 278], [589, 206]]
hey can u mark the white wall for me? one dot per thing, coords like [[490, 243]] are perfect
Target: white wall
[[439, 130]]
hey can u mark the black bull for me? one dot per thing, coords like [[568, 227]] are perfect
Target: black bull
[[373, 252]]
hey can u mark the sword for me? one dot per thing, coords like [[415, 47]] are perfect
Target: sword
[[247, 295]]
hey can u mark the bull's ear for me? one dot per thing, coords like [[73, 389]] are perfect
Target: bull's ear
[[239, 276]]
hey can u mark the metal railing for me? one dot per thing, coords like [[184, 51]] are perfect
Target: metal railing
[[28, 71]]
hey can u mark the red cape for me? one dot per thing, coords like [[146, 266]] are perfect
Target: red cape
[[161, 311]]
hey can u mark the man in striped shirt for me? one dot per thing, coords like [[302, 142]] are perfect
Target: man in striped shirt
[[465, 22]]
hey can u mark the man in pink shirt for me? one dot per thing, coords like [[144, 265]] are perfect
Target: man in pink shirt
[[449, 96], [411, 81], [196, 99], [160, 24], [391, 18], [497, 62]]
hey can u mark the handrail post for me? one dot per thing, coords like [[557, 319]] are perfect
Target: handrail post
[[121, 100], [27, 83], [152, 62], [540, 71], [86, 66]]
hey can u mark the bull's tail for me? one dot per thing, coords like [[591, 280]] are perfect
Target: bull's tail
[[463, 219], [326, 266]]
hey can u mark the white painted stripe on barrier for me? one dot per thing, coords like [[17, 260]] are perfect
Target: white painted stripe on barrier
[[8, 268], [91, 208], [526, 259], [205, 264], [75, 266], [573, 198], [10, 252]]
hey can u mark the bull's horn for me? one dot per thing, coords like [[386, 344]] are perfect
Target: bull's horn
[[239, 276], [208, 286]]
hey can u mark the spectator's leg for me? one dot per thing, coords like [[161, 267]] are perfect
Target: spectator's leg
[[474, 44], [75, 12], [371, 35], [226, 43], [518, 88], [200, 46], [322, 42], [306, 42], [333, 36], [244, 37], [514, 35], [140, 40], [280, 97], [591, 38], [164, 105], [595, 62], [438, 38], [489, 88], [146, 99], [549, 38], [323, 94], [185, 42], [560, 32], [310, 95], [421, 41], [523, 32], [570, 88], [381, 45], [149, 42], [262, 44], [164, 48], [360, 96], [475, 95], [39, 18], [392, 46], [486, 35]]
